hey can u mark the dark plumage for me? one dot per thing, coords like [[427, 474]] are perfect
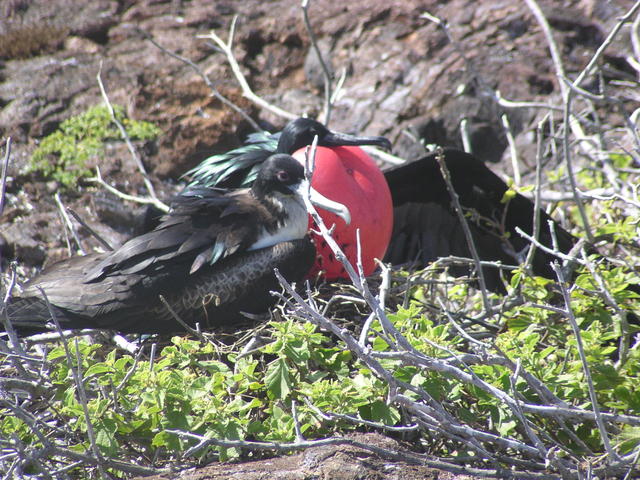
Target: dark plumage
[[239, 167], [211, 257], [426, 227]]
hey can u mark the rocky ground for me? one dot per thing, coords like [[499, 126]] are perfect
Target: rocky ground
[[405, 78], [330, 462]]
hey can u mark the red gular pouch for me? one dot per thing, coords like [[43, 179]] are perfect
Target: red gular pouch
[[349, 176]]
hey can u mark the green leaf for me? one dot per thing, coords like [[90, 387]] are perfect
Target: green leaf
[[278, 380]]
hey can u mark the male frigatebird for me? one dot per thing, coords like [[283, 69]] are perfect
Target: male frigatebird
[[239, 167], [211, 257], [425, 226]]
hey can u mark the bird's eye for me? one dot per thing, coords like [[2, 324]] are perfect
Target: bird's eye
[[283, 176]]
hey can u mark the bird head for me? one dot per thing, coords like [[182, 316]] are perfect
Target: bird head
[[300, 132], [284, 174]]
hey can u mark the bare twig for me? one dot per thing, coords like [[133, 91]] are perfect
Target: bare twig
[[510, 104], [538, 187], [196, 332], [404, 456], [106, 462], [132, 149], [382, 155], [465, 228], [568, 119], [132, 198], [553, 251], [214, 91], [3, 176], [68, 224], [8, 327], [585, 365], [227, 49], [569, 90], [77, 377], [95, 234], [464, 135], [515, 164], [328, 95], [357, 420], [620, 314]]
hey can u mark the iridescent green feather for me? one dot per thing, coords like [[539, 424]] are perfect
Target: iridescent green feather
[[244, 160]]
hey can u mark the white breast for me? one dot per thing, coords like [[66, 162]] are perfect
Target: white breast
[[294, 228]]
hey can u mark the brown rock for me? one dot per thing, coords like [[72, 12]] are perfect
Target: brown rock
[[332, 462]]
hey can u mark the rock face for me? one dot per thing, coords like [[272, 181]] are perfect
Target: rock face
[[406, 78], [330, 462]]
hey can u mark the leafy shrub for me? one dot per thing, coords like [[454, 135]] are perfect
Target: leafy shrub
[[63, 155]]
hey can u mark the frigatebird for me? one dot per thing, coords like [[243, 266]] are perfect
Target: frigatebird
[[348, 173], [425, 226], [211, 257]]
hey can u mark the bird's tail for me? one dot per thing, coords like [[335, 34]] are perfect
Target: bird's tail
[[31, 315]]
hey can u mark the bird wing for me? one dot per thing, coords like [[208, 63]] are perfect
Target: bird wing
[[492, 218], [238, 167], [214, 295], [203, 226]]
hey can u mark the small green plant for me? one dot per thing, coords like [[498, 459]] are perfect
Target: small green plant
[[63, 155]]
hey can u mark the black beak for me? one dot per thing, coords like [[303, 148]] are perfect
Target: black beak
[[334, 139]]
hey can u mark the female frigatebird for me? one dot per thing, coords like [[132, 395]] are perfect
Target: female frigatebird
[[211, 257], [425, 226]]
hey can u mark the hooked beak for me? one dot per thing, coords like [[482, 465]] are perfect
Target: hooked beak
[[335, 139], [323, 202]]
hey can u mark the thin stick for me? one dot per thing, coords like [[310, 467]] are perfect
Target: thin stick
[[127, 139], [607, 41], [568, 93], [125, 196], [536, 204], [184, 324], [553, 251], [8, 326], [583, 358], [382, 155], [237, 72], [69, 225], [465, 227], [296, 422], [464, 134], [530, 433], [325, 70], [77, 377], [5, 168], [95, 234], [608, 298], [510, 104], [515, 164], [570, 123], [214, 91], [357, 420]]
